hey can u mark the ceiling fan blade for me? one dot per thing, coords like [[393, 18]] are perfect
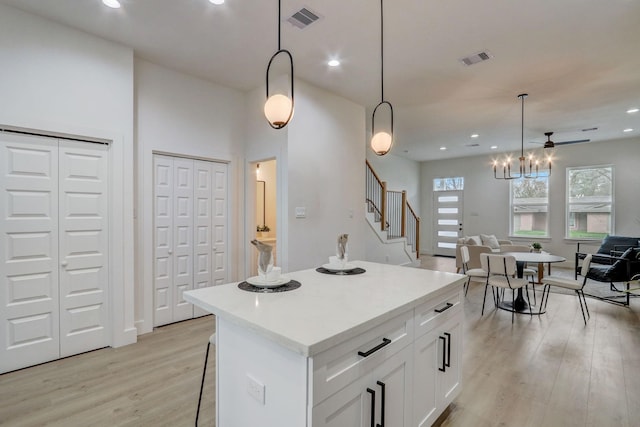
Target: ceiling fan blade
[[576, 141]]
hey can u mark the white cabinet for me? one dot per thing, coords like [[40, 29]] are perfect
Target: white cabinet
[[437, 366], [378, 398]]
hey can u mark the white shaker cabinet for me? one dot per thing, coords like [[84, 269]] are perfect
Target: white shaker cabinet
[[378, 398]]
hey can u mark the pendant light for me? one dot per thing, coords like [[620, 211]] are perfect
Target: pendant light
[[278, 108], [531, 170], [382, 141]]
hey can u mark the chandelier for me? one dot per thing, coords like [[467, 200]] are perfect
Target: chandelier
[[528, 167]]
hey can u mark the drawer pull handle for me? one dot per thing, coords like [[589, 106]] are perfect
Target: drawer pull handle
[[445, 308], [385, 341]]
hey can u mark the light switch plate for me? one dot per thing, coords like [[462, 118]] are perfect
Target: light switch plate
[[301, 212], [255, 389]]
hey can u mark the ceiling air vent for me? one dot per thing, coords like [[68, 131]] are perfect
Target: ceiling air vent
[[303, 18], [476, 57]]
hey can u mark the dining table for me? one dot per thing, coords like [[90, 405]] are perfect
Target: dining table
[[522, 258]]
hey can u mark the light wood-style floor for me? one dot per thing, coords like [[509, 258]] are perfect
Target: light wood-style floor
[[548, 371]]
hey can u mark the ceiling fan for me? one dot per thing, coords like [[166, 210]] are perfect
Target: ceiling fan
[[551, 144]]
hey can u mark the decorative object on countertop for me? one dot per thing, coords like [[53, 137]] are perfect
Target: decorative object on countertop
[[265, 260], [536, 247], [341, 250], [288, 286]]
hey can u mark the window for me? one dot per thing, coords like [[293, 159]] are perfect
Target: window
[[589, 202], [530, 207], [448, 184]]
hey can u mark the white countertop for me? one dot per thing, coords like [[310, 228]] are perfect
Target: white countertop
[[326, 309]]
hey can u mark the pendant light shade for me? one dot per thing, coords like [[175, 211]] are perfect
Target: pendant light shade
[[278, 108], [381, 141]]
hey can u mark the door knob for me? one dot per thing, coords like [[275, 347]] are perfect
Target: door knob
[[170, 252], [64, 263]]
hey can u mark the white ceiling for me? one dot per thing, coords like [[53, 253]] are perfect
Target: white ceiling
[[579, 60]]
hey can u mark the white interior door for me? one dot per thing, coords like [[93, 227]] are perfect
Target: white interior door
[[183, 249], [203, 244], [220, 224], [190, 233], [163, 240], [53, 250], [29, 331], [447, 214], [84, 247]]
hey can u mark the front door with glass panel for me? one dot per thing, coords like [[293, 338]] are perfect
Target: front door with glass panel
[[448, 221]]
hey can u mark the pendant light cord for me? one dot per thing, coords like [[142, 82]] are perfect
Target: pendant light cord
[[522, 126], [279, 15], [381, 51]]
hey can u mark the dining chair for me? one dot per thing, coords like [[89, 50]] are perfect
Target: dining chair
[[501, 270], [568, 283], [212, 341], [528, 272], [472, 273]]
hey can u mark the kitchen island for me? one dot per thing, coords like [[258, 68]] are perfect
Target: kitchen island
[[342, 350]]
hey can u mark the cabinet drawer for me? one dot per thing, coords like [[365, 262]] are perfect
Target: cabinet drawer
[[432, 313], [338, 366]]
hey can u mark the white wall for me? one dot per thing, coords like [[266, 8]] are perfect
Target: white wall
[[320, 161], [325, 176], [486, 200], [183, 115], [59, 81]]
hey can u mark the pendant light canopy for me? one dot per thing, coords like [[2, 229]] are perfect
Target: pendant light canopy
[[534, 168], [278, 108], [381, 141]]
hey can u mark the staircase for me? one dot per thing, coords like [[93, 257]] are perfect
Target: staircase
[[393, 221]]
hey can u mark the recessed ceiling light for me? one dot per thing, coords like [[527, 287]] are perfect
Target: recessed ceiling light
[[475, 135], [333, 63], [114, 4], [216, 1], [633, 110], [494, 147], [443, 148], [628, 130]]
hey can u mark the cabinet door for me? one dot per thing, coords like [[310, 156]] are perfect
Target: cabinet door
[[392, 382], [427, 360], [349, 407], [449, 386]]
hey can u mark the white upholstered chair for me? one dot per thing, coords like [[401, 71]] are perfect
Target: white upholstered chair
[[501, 269], [527, 272], [475, 274], [569, 283]]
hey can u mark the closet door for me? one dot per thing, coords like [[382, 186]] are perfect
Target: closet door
[[84, 247], [203, 245], [220, 224], [163, 240], [28, 251], [183, 221]]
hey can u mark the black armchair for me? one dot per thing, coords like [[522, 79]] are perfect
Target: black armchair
[[611, 246], [622, 268]]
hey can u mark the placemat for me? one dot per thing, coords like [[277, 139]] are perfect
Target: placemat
[[350, 272], [289, 286]]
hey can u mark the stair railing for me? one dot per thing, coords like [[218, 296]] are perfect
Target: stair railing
[[392, 210]]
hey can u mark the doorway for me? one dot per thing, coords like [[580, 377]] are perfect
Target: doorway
[[266, 213]]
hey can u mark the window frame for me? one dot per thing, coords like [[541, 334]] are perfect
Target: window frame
[[568, 203], [512, 221]]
